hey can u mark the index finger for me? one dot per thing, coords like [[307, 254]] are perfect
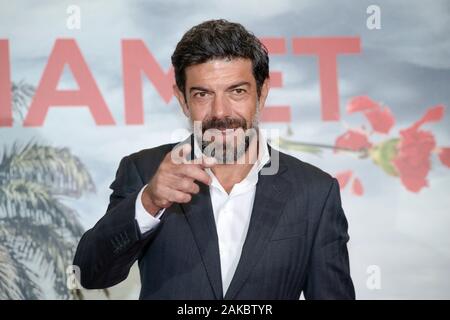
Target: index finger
[[195, 172]]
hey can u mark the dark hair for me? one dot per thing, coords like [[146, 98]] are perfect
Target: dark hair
[[219, 39]]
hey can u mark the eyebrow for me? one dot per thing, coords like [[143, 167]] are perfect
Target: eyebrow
[[234, 86], [198, 89], [239, 84]]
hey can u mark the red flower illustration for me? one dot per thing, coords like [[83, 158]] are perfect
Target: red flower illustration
[[413, 158], [344, 177], [381, 120], [414, 150], [444, 156], [357, 187], [361, 103], [353, 140], [407, 157], [433, 114]]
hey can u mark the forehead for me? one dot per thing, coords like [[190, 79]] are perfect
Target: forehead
[[219, 71]]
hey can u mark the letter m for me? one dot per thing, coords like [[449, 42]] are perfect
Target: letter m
[[136, 59]]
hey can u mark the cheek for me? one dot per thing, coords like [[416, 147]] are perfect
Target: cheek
[[245, 110], [198, 114]]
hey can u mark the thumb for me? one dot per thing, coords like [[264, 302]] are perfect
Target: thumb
[[208, 162]]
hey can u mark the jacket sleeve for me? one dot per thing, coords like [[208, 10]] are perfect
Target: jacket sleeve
[[106, 252], [328, 275]]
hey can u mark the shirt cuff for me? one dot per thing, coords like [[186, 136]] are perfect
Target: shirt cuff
[[145, 220]]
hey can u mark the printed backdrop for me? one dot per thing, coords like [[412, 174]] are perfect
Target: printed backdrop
[[359, 88]]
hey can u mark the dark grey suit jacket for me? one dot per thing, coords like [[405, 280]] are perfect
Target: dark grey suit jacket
[[296, 241]]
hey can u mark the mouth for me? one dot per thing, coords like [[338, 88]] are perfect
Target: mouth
[[227, 130]]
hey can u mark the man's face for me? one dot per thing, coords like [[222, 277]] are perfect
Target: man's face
[[222, 95]]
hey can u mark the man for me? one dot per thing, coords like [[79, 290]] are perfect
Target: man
[[203, 223]]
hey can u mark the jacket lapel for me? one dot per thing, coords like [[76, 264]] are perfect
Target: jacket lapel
[[199, 214], [272, 191]]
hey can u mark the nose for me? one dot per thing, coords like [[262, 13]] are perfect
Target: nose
[[220, 106]]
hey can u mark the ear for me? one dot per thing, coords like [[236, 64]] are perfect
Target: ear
[[180, 97], [264, 93]]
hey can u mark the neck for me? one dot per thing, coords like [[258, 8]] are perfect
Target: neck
[[230, 174]]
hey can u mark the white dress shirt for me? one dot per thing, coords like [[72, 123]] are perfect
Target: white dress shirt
[[232, 213]]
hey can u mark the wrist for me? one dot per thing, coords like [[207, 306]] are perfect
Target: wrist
[[148, 204]]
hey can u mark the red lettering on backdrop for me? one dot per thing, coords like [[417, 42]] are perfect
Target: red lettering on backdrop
[[327, 50], [6, 119], [135, 59], [66, 51], [276, 113]]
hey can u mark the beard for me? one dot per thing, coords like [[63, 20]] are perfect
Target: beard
[[226, 139]]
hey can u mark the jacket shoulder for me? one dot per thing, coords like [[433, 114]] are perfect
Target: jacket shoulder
[[306, 172], [148, 160], [145, 154]]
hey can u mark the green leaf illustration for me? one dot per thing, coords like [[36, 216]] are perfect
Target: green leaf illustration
[[384, 153]]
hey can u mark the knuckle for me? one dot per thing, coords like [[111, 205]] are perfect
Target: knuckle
[[184, 184], [183, 198], [195, 188], [179, 198], [181, 184], [184, 169], [187, 185], [165, 203]]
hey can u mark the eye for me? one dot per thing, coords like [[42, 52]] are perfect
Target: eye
[[200, 94], [239, 91]]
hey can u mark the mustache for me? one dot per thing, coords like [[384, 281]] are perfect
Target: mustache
[[224, 123]]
